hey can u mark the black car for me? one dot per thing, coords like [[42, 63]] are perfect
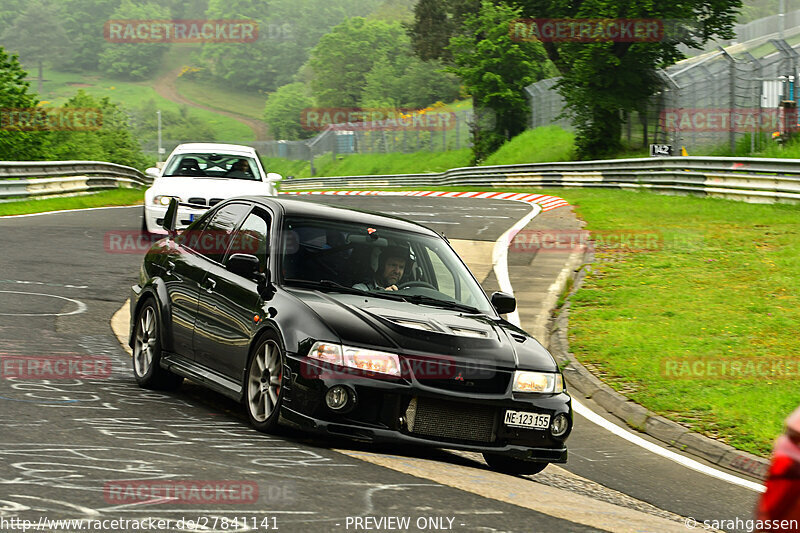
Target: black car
[[284, 306]]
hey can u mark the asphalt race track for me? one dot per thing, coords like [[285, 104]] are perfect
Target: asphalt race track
[[67, 445]]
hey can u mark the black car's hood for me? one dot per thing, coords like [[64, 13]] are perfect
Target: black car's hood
[[424, 330]]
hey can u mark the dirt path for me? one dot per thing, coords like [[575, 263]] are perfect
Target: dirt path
[[165, 87]]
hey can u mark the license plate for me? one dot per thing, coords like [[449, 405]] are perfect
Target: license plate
[[523, 419], [191, 217]]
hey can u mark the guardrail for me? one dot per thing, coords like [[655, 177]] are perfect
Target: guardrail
[[749, 179], [23, 179]]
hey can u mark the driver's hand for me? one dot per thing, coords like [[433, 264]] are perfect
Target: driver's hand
[[391, 288]]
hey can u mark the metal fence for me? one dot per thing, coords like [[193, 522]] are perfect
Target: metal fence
[[341, 139], [41, 179], [773, 27], [726, 101], [757, 180]]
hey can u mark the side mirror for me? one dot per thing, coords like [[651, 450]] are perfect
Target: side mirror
[[171, 217], [503, 303], [244, 265], [152, 172], [272, 182]]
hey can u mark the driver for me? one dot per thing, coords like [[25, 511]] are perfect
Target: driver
[[240, 169], [391, 267]]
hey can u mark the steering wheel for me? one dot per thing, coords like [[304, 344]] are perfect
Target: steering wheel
[[410, 284]]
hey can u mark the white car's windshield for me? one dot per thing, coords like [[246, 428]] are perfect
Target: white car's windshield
[[383, 261], [213, 166]]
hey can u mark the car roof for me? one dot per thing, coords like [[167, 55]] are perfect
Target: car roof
[[296, 207], [214, 148]]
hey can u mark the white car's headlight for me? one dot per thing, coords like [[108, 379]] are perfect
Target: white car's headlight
[[546, 382], [164, 199], [360, 358]]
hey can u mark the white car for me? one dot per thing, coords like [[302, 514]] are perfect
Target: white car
[[203, 174]]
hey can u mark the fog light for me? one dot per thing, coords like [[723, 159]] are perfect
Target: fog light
[[337, 397], [559, 425]]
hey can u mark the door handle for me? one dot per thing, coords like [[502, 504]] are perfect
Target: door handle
[[210, 285]]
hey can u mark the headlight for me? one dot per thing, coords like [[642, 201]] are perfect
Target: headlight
[[371, 360], [360, 358], [546, 382], [163, 199], [326, 352]]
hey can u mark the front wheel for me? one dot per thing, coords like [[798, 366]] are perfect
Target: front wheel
[[264, 385], [147, 352], [514, 467]]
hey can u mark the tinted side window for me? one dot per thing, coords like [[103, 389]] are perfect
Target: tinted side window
[[253, 237], [216, 237]]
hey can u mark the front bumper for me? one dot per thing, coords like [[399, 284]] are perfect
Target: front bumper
[[410, 412]]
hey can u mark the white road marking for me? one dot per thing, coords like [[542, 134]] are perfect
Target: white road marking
[[81, 306], [663, 452], [500, 257], [22, 282], [71, 211]]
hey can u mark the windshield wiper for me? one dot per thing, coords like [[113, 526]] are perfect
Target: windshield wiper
[[447, 304], [328, 284]]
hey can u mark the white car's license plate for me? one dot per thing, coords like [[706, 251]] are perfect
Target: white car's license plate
[[191, 217], [523, 419]]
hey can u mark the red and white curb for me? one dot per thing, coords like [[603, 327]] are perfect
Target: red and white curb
[[546, 202]]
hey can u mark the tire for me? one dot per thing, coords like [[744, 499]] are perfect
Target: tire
[[263, 385], [514, 467], [147, 352]]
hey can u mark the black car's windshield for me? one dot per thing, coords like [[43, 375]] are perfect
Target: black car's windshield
[[201, 165], [371, 259]]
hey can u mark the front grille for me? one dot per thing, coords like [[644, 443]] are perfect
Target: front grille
[[197, 201], [471, 379], [451, 420]]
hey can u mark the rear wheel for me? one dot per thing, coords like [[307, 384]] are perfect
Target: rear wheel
[[515, 467], [147, 352], [264, 385]]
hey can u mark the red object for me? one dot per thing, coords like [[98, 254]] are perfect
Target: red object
[[781, 501]]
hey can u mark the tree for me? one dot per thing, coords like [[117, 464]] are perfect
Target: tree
[[177, 125], [599, 80], [37, 35], [496, 69], [15, 144], [10, 10], [408, 82], [435, 22], [343, 57], [134, 60], [284, 110], [83, 21], [113, 141], [288, 30]]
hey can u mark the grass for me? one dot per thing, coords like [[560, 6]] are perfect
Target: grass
[[724, 285], [286, 167], [368, 164], [223, 98], [539, 145], [60, 86], [111, 197]]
